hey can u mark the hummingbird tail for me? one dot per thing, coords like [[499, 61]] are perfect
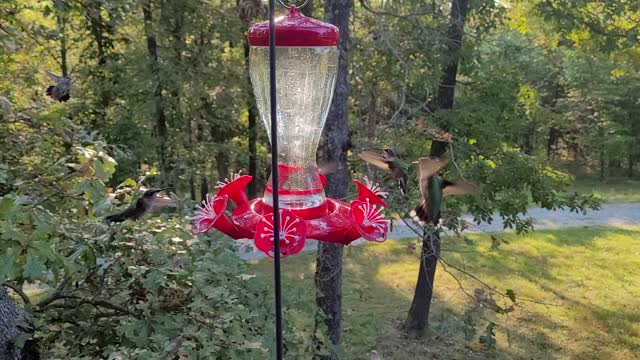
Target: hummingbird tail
[[420, 214], [402, 185]]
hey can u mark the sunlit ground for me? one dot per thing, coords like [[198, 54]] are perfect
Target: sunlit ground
[[588, 278], [611, 191]]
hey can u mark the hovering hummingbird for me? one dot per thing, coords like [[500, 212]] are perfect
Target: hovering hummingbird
[[389, 162], [61, 90], [147, 203], [433, 189]]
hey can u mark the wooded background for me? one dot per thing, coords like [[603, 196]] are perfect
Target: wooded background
[[544, 91]]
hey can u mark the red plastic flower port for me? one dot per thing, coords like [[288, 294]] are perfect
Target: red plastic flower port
[[370, 192], [368, 220], [234, 188], [208, 214], [293, 234]]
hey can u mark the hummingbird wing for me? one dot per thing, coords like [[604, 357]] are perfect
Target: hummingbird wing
[[53, 76], [459, 188], [133, 211], [429, 167], [375, 159], [328, 168], [157, 203]]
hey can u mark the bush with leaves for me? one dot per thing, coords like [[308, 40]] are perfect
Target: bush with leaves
[[136, 290]]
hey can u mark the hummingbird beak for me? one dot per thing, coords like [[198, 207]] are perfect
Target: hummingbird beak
[[155, 191]]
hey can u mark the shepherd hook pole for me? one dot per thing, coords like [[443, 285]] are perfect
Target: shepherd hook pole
[[274, 177]]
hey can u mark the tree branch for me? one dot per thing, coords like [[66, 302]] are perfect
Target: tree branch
[[56, 295], [365, 5], [491, 288], [18, 291]]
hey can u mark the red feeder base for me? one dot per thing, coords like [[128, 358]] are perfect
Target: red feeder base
[[333, 221]]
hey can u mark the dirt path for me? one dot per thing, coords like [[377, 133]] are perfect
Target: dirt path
[[609, 215]]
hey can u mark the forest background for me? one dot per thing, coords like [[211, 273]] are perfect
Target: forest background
[[546, 103]]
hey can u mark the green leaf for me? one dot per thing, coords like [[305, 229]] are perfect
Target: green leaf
[[104, 166], [21, 339], [6, 205], [4, 173], [92, 190], [8, 263], [34, 269], [489, 337], [128, 183], [46, 11]]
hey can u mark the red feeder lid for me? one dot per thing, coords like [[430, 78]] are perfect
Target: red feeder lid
[[295, 29]]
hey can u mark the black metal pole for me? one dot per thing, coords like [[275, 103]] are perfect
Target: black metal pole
[[274, 177]]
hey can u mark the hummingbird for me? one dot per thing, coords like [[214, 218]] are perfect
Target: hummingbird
[[434, 188], [147, 203], [61, 90], [389, 162]]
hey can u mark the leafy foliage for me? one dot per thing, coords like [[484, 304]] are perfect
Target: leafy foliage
[[540, 82], [489, 337], [139, 290]]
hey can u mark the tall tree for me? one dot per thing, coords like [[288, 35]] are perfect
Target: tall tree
[[418, 318], [161, 118], [328, 276], [250, 10]]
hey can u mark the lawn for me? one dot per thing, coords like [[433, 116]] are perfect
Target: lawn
[[610, 191], [587, 278]]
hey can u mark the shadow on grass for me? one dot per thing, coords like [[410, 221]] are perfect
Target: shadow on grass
[[565, 267]]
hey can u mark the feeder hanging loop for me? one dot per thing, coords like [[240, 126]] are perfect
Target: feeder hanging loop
[[283, 3]]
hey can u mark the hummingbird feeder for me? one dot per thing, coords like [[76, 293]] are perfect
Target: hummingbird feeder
[[306, 63]]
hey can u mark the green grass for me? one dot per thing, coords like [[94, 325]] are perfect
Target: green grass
[[588, 277], [610, 191]]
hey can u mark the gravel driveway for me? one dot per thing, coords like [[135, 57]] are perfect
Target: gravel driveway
[[609, 215]]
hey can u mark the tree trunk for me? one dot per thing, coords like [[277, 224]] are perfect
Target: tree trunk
[[161, 119], [204, 188], [421, 305], [418, 317], [252, 189], [602, 164], [552, 141], [328, 277], [308, 9], [95, 17], [61, 22], [176, 17], [100, 29], [222, 164], [12, 325]]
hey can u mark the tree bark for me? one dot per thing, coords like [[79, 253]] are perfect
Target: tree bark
[[61, 23], [252, 188], [101, 31], [161, 118], [204, 188], [94, 13], [552, 141], [308, 9], [12, 322], [176, 17], [418, 318], [328, 276]]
